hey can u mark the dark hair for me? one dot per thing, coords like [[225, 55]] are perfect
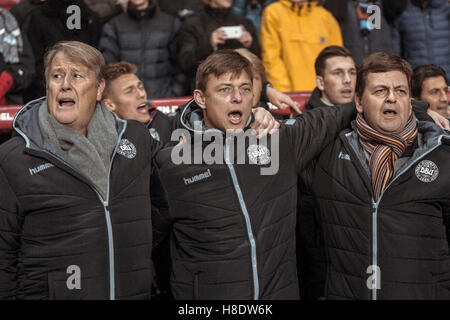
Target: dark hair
[[222, 62], [381, 62], [421, 73], [327, 53]]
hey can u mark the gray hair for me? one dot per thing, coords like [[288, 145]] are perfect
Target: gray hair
[[79, 52]]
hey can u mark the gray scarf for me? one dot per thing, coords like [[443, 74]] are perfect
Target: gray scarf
[[11, 44], [91, 154]]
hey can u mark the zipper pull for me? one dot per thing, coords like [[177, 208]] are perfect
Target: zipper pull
[[105, 204]]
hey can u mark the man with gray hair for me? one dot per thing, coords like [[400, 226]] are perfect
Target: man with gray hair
[[75, 211]]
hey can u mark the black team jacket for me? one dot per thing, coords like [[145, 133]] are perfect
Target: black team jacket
[[53, 223], [393, 248], [233, 227]]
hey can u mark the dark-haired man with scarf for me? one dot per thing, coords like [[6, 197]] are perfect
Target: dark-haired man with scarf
[[383, 189]]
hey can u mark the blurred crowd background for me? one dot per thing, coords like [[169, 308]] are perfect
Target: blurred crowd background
[[167, 40]]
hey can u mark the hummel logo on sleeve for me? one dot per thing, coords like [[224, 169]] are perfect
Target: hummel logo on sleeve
[[40, 168], [198, 177], [344, 156]]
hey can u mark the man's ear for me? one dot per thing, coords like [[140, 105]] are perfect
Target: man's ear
[[199, 98], [109, 104], [358, 104], [320, 83], [100, 89]]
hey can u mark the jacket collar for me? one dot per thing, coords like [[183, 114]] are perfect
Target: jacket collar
[[26, 124], [315, 101]]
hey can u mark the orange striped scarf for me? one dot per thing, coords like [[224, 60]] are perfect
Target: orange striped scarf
[[384, 150]]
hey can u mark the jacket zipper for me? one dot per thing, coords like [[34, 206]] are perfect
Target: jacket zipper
[[112, 282], [375, 248], [247, 219], [105, 204]]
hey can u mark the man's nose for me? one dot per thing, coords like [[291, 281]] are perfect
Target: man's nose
[[236, 96], [346, 78], [141, 92], [66, 85], [443, 96], [391, 98]]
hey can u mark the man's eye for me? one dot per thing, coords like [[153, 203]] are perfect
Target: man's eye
[[401, 91], [57, 76], [380, 91], [226, 89], [246, 89]]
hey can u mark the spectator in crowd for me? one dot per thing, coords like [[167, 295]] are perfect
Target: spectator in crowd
[[420, 31], [107, 9], [240, 245], [23, 9], [293, 32], [49, 24], [360, 38], [201, 35], [251, 9], [75, 209], [147, 37], [382, 189], [335, 78], [429, 83], [181, 8], [16, 61]]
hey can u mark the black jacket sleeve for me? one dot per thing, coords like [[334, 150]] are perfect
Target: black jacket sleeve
[[10, 232], [420, 110], [313, 130]]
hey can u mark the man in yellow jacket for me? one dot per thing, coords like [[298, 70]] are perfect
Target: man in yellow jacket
[[293, 32]]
